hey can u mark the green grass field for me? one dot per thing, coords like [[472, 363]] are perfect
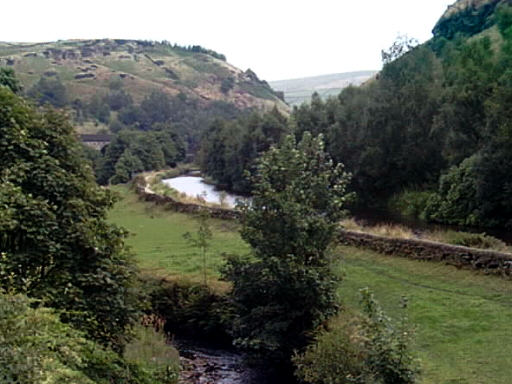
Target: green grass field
[[462, 319], [158, 243]]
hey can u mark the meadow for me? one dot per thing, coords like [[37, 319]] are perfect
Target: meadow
[[462, 318]]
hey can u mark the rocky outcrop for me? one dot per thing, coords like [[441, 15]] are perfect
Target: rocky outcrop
[[80, 76], [467, 17]]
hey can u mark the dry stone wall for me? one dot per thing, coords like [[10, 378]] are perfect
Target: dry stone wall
[[461, 257]]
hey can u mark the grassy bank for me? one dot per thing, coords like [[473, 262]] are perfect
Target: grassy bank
[[464, 333], [157, 238], [462, 319]]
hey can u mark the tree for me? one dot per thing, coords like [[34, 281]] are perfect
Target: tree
[[126, 166], [8, 79], [400, 47], [49, 91], [37, 347], [56, 243], [201, 240], [286, 288]]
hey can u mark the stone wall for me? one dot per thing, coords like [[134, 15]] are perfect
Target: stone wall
[[461, 257], [169, 202]]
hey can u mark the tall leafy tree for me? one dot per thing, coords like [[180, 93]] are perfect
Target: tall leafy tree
[[286, 288], [55, 241]]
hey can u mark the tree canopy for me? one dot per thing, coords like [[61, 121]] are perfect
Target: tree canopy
[[55, 242], [286, 288]]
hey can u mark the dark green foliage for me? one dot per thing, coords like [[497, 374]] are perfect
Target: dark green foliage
[[8, 79], [229, 148], [467, 22], [410, 203], [37, 347], [227, 84], [118, 99], [383, 132], [437, 115], [133, 151], [477, 192], [126, 166], [49, 90], [189, 309], [98, 108], [286, 288], [365, 349], [55, 242]]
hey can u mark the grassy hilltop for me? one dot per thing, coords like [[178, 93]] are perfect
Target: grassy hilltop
[[86, 67]]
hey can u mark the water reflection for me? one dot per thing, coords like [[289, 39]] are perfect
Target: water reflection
[[194, 186]]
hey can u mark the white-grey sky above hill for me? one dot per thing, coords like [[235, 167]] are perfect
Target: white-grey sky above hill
[[278, 39]]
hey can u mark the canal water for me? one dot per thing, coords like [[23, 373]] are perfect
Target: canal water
[[195, 186]]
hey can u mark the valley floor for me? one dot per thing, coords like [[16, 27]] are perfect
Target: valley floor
[[462, 319]]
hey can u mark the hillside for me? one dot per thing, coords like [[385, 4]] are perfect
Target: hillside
[[467, 18], [88, 67], [297, 91]]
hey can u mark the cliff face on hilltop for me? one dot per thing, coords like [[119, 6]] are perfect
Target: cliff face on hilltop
[[87, 67], [467, 18]]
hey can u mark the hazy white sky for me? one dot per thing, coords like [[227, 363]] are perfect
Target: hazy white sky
[[278, 39]]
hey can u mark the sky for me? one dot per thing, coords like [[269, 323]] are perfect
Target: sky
[[278, 39]]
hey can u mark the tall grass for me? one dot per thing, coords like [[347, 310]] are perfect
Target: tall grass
[[150, 350], [467, 239]]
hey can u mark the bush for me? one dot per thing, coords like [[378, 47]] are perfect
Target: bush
[[150, 350], [473, 240], [37, 347], [410, 203], [189, 309], [361, 349]]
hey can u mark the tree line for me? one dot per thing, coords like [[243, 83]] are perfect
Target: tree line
[[434, 120]]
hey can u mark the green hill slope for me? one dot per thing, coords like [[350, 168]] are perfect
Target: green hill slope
[[297, 91], [86, 68]]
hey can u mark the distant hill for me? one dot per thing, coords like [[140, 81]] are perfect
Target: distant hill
[[88, 67], [297, 91]]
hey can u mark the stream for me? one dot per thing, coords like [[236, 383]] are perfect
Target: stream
[[204, 364]]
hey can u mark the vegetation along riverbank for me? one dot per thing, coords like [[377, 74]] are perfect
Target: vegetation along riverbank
[[460, 316]]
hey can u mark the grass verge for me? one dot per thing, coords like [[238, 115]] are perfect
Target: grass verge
[[462, 319]]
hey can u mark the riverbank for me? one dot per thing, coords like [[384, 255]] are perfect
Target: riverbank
[[462, 317]]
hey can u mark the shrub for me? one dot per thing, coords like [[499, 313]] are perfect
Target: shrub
[[150, 350], [473, 240], [189, 309], [36, 347], [361, 349], [410, 203]]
